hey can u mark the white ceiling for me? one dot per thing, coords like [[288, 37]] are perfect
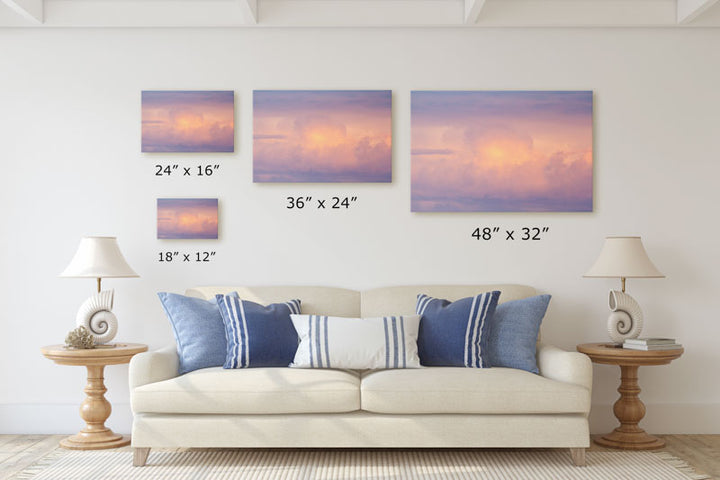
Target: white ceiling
[[359, 13]]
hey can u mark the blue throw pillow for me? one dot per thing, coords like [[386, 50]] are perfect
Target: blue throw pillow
[[258, 336], [455, 334], [199, 331], [514, 332]]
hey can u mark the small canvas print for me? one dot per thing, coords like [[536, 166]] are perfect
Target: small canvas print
[[188, 121], [502, 151], [187, 218], [322, 136]]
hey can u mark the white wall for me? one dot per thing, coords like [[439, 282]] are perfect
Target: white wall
[[70, 165]]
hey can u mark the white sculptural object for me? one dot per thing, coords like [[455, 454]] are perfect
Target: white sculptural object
[[626, 319], [96, 315]]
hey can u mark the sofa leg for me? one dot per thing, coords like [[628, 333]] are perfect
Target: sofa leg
[[140, 456], [578, 456]]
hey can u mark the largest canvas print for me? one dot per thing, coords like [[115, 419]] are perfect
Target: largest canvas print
[[502, 151], [322, 136]]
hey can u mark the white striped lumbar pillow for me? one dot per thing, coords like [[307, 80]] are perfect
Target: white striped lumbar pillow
[[356, 343]]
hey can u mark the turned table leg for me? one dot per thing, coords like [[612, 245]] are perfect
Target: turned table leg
[[629, 410], [95, 409]]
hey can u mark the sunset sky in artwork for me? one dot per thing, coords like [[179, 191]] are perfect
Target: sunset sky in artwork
[[502, 151], [188, 121], [193, 218], [322, 136]]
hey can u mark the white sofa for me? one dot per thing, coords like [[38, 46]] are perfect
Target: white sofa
[[434, 407]]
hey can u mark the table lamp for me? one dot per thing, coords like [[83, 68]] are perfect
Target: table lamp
[[98, 257], [623, 257]]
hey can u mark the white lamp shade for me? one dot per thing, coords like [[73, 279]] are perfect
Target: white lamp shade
[[623, 257], [98, 257]]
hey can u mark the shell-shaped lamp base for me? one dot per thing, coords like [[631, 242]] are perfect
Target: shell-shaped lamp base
[[626, 319], [96, 315]]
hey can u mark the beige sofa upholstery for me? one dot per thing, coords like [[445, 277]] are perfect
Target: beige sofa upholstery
[[427, 407], [468, 390], [252, 391]]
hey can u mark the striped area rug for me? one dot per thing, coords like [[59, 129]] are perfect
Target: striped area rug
[[357, 464]]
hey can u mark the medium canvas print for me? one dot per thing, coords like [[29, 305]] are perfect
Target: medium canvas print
[[187, 218], [188, 121], [322, 136], [502, 151]]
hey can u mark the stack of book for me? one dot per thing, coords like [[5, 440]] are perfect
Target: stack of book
[[651, 344]]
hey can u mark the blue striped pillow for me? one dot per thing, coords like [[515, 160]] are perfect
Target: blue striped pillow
[[454, 334], [356, 343], [257, 335]]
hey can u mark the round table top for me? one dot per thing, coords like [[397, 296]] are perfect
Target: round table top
[[612, 354], [112, 354]]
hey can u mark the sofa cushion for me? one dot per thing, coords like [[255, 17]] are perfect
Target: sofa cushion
[[251, 391], [340, 302], [198, 329], [257, 335], [358, 343], [513, 333], [454, 334], [469, 390]]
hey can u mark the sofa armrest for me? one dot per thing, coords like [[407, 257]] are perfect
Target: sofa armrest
[[569, 367], [151, 367]]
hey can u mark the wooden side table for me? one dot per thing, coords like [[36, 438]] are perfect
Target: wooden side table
[[629, 410], [95, 409]]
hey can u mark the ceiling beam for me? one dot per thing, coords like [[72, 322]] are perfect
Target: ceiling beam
[[146, 13], [250, 10], [689, 10], [578, 13], [472, 10], [29, 9], [359, 13]]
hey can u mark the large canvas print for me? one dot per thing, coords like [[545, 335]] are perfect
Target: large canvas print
[[502, 151], [187, 218], [322, 136], [188, 121]]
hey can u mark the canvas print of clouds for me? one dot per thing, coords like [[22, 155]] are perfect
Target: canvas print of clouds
[[188, 121], [322, 136], [502, 151], [189, 218]]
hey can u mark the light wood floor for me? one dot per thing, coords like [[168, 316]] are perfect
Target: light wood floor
[[19, 451]]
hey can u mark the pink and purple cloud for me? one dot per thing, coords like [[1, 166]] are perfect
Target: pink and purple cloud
[[188, 121], [322, 136], [502, 151], [187, 218]]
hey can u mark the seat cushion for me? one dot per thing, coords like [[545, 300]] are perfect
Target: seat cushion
[[251, 391], [469, 390]]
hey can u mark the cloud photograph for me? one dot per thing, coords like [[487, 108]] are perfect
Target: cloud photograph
[[322, 136], [502, 151], [188, 121], [187, 218]]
